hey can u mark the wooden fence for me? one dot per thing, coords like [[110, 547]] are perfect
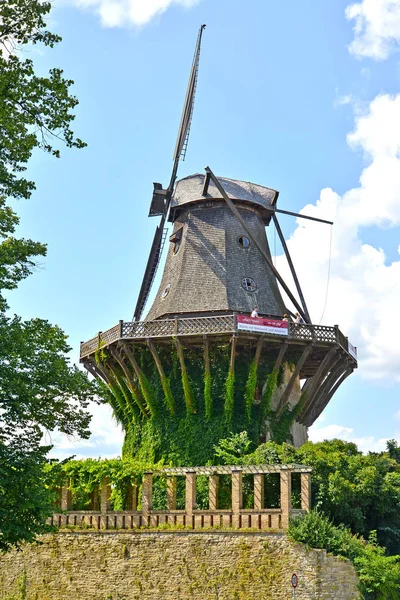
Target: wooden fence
[[258, 517]]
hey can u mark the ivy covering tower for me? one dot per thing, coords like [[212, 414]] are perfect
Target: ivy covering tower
[[199, 367]]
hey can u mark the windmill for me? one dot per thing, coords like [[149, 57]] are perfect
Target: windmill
[[278, 374]]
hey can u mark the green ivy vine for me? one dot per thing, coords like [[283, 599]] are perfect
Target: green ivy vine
[[229, 396], [269, 388], [251, 385], [208, 396]]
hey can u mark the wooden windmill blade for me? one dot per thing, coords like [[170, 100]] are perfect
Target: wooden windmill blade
[[162, 198], [151, 269], [187, 112]]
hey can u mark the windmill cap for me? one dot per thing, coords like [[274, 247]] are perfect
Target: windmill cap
[[190, 189]]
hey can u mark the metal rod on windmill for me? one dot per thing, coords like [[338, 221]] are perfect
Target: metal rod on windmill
[[162, 197], [237, 214]]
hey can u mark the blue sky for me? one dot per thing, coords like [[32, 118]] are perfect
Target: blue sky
[[303, 97]]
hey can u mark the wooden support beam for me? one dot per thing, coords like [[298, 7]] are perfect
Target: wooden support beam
[[321, 393], [207, 366], [291, 265], [317, 408], [256, 243], [339, 382], [293, 214], [91, 367], [336, 369], [136, 393], [132, 405], [105, 375], [164, 381], [282, 352], [233, 354], [312, 384], [185, 378], [207, 378], [138, 372], [257, 355], [285, 396], [206, 184]]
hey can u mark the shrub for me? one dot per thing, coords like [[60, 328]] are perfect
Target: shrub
[[378, 574]]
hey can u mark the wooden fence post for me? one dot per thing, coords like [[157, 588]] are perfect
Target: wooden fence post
[[171, 493], [259, 491], [286, 496], [237, 497], [147, 492], [213, 487], [190, 501], [105, 493], [305, 491]]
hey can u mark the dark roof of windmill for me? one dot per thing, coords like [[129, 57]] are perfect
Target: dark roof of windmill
[[190, 189]]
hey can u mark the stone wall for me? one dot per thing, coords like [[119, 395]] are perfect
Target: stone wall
[[87, 565]]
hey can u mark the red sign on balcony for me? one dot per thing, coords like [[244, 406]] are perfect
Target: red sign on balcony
[[262, 325]]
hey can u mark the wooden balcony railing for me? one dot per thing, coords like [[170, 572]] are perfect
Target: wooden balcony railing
[[164, 328]]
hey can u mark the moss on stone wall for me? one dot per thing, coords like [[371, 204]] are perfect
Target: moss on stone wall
[[167, 566]]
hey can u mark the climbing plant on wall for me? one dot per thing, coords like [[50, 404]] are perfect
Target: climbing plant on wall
[[188, 398]]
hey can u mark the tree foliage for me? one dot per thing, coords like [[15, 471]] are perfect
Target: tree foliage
[[35, 111], [39, 389], [361, 491], [378, 574]]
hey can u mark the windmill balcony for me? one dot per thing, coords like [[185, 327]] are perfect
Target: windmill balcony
[[324, 357], [319, 336]]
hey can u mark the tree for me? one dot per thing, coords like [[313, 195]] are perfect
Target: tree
[[35, 112], [361, 491], [39, 389]]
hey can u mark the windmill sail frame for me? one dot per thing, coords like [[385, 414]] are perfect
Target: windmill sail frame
[[162, 198]]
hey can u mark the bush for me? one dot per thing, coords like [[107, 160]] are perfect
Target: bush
[[378, 574]]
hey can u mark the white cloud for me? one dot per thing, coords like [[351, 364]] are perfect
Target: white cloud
[[125, 13], [106, 440], [376, 29], [364, 289], [330, 432]]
